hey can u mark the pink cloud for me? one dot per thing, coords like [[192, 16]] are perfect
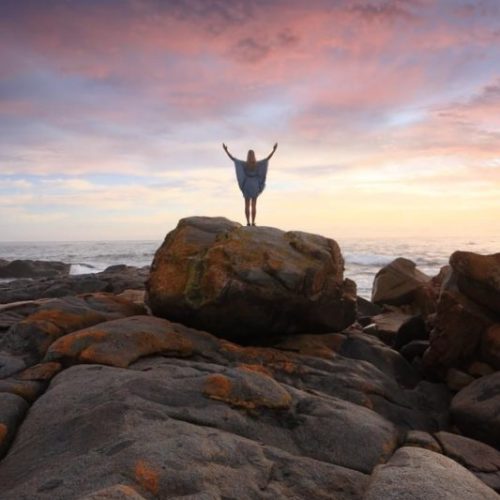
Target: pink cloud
[[341, 67]]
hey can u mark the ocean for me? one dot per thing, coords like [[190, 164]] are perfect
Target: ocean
[[363, 256]]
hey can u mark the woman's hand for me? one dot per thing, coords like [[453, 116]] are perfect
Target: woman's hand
[[224, 147], [273, 151]]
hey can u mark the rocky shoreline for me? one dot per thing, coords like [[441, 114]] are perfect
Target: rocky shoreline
[[243, 365]]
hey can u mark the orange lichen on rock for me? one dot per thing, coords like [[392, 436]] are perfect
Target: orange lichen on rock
[[70, 345], [42, 371], [388, 448], [217, 386], [147, 477], [248, 390], [255, 368], [322, 346], [120, 342], [272, 359], [27, 389], [121, 351], [225, 345], [67, 321]]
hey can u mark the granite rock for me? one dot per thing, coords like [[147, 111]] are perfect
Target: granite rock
[[245, 283]]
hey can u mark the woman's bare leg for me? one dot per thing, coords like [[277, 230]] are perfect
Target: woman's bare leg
[[247, 209], [254, 209]]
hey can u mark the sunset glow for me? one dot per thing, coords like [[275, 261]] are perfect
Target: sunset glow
[[113, 113]]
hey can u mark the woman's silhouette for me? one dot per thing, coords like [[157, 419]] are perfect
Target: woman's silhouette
[[251, 175]]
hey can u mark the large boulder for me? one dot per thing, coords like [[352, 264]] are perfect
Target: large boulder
[[174, 429], [33, 269], [458, 329], [476, 409], [461, 334], [417, 473], [247, 282], [398, 283], [478, 277]]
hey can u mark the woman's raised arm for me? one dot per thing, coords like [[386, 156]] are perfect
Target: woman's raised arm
[[227, 152], [272, 152]]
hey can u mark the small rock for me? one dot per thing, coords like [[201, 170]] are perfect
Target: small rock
[[421, 439], [10, 364], [478, 369], [413, 328], [386, 325], [365, 347], [481, 459], [366, 309], [476, 409], [456, 380], [26, 389], [12, 411], [397, 282], [418, 473], [41, 372], [415, 348]]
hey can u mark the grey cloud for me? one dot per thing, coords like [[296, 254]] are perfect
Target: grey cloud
[[251, 50], [389, 10]]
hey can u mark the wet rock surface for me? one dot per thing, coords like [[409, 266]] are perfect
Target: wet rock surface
[[33, 269]]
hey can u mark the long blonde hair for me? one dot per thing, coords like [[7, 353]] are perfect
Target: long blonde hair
[[251, 160]]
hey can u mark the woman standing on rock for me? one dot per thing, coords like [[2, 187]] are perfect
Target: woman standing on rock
[[251, 175]]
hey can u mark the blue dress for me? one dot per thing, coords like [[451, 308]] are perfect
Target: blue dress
[[252, 181]]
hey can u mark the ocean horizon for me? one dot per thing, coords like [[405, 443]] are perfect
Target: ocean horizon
[[364, 257]]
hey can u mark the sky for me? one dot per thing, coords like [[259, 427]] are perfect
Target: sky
[[113, 114]]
